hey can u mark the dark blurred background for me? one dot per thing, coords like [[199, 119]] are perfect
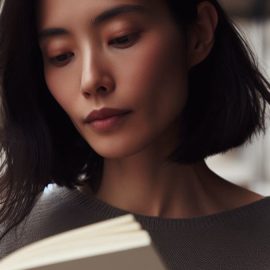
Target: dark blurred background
[[251, 9], [247, 8]]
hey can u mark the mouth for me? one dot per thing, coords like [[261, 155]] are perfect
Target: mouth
[[109, 123], [104, 114]]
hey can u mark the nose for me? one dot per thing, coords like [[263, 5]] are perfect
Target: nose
[[95, 77]]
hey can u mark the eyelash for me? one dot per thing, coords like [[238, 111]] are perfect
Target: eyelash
[[55, 60], [133, 36], [116, 42]]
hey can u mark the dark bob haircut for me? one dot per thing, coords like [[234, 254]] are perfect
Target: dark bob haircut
[[39, 144]]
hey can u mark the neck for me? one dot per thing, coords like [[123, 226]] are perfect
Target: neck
[[150, 186]]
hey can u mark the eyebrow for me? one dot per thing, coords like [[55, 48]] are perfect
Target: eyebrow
[[101, 18]]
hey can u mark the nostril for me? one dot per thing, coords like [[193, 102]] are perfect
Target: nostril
[[86, 94], [102, 89], [99, 90]]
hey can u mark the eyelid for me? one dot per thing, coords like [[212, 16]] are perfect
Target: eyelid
[[134, 35], [113, 42], [53, 60]]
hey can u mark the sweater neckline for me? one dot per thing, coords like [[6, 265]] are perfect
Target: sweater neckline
[[103, 210]]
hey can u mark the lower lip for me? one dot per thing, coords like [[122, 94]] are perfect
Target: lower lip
[[109, 123]]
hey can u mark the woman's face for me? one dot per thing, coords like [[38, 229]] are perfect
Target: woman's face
[[132, 59]]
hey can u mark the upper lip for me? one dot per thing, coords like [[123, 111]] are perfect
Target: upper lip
[[103, 114]]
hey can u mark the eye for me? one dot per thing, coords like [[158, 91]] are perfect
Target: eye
[[125, 41], [61, 59]]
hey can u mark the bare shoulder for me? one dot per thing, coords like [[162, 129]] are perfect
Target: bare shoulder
[[220, 194], [242, 195], [232, 196]]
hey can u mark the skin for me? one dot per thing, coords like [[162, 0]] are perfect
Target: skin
[[147, 74]]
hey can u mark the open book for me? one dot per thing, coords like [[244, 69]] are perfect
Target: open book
[[119, 243]]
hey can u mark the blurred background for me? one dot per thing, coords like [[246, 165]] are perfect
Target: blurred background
[[249, 166]]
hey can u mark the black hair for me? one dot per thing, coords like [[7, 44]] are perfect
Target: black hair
[[39, 144], [228, 94]]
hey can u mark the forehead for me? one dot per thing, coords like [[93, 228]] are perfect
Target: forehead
[[55, 11]]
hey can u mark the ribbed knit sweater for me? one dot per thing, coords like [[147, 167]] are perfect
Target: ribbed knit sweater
[[234, 239]]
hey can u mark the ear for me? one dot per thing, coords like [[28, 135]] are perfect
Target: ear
[[201, 34]]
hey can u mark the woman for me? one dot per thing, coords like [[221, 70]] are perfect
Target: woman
[[118, 103]]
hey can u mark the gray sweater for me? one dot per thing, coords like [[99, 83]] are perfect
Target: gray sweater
[[235, 239]]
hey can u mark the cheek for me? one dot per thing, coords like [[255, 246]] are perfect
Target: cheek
[[61, 89], [158, 77]]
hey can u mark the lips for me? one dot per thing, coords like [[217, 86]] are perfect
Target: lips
[[104, 114]]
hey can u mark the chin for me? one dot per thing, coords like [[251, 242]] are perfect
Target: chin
[[119, 150], [113, 153]]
